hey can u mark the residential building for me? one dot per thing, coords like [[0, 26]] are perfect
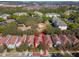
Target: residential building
[[48, 40], [38, 13], [73, 39], [21, 39], [20, 13], [56, 40], [68, 12], [38, 40], [11, 5], [12, 42], [68, 40], [52, 15], [59, 23], [4, 16], [64, 41], [30, 40]]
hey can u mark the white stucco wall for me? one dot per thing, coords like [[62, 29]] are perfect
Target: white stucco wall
[[62, 27]]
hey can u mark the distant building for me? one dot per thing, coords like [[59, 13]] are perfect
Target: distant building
[[9, 5], [33, 7], [68, 12], [38, 13], [52, 15], [70, 20], [4, 16], [59, 23], [20, 13], [10, 20]]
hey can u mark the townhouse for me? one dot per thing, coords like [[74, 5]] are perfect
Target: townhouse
[[0, 40], [69, 41], [38, 40], [33, 7], [12, 42], [64, 41], [21, 39], [76, 40], [48, 40], [30, 40], [56, 40], [73, 39]]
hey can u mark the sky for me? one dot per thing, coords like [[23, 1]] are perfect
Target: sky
[[39, 0]]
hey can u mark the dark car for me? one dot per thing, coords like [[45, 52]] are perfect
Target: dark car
[[56, 55], [75, 54]]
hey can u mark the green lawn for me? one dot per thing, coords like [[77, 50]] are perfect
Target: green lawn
[[53, 50]]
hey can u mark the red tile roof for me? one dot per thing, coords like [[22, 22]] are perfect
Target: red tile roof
[[30, 39], [75, 39], [64, 39], [56, 38], [22, 39], [39, 39], [48, 39], [0, 39], [4, 39], [12, 40]]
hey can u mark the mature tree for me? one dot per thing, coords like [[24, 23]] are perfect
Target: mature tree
[[30, 31], [10, 28], [40, 46], [2, 48], [45, 18], [22, 48], [1, 19], [51, 30]]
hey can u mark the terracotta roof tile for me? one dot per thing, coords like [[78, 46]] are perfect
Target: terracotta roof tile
[[63, 39], [30, 39], [48, 39], [22, 38], [12, 40], [4, 38], [56, 38]]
